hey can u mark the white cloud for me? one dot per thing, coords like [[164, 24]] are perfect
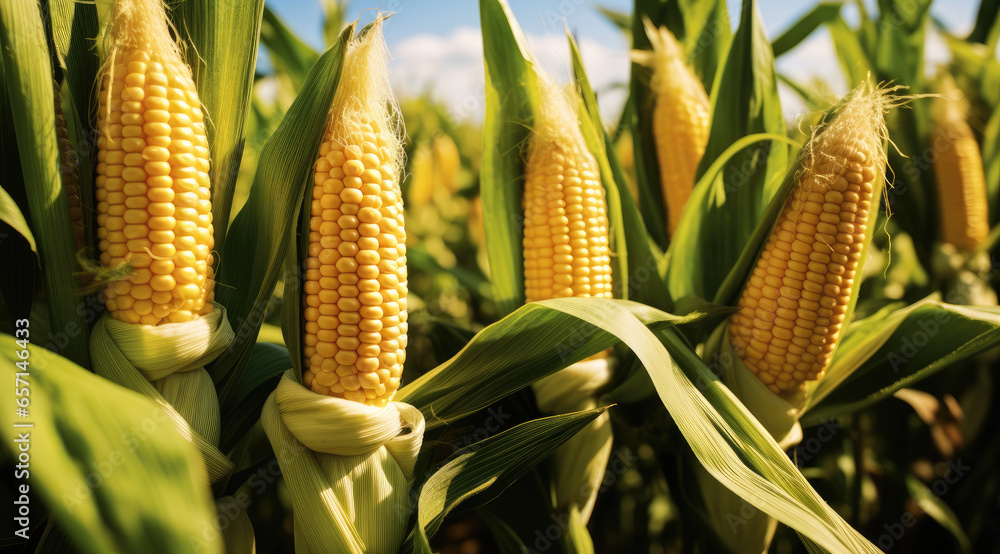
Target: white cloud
[[450, 68]]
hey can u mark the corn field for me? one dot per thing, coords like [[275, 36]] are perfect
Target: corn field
[[289, 307]]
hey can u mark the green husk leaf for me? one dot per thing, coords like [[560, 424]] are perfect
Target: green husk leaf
[[28, 80], [798, 31], [895, 348], [96, 448], [494, 464], [74, 28], [260, 232], [685, 285], [637, 269], [511, 101], [223, 36], [592, 127], [723, 212]]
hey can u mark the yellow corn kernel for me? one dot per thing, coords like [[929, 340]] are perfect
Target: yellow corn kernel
[[963, 206], [355, 283], [792, 309], [152, 173], [566, 245], [680, 119], [566, 250]]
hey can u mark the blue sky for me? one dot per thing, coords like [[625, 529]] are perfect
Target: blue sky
[[435, 44]]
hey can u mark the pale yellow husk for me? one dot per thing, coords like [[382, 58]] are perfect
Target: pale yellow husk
[[581, 462], [348, 467], [166, 363]]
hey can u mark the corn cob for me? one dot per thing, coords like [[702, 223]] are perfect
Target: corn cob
[[961, 180], [355, 286], [566, 250], [153, 191], [793, 307], [447, 162], [68, 164], [421, 188], [680, 119]]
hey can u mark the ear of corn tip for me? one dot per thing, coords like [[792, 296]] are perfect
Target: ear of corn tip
[[792, 309], [152, 189], [681, 113], [355, 286]]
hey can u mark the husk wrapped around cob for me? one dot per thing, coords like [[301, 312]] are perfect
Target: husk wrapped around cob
[[801, 291], [346, 450], [155, 231], [566, 253], [154, 220]]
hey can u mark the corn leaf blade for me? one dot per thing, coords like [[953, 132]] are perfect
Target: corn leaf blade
[[28, 79], [484, 469], [11, 215], [262, 373], [224, 36], [725, 437], [801, 29], [896, 348], [723, 213], [262, 229], [88, 430], [936, 508], [507, 356], [288, 53]]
